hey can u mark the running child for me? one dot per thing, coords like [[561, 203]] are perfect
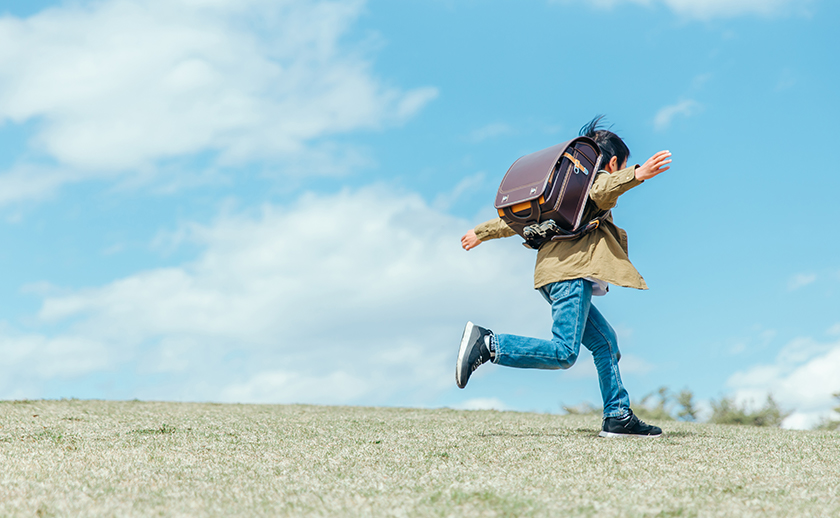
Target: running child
[[568, 274]]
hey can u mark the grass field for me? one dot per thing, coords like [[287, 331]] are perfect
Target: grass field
[[72, 458]]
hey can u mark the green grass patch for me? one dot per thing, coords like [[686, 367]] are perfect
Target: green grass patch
[[93, 458]]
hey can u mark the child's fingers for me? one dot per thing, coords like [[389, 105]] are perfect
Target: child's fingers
[[662, 155], [662, 161], [658, 158]]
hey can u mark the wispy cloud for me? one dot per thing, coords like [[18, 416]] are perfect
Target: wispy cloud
[[787, 79], [709, 9], [497, 129], [757, 340], [800, 280], [445, 200], [685, 108]]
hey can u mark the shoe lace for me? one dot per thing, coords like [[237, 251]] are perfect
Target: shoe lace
[[633, 422], [482, 358]]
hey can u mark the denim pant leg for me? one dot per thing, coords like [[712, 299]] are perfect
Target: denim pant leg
[[599, 337], [570, 301]]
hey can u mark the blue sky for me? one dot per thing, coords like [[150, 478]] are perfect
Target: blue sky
[[262, 201]]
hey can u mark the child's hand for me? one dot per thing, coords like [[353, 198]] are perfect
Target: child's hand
[[654, 165], [470, 240]]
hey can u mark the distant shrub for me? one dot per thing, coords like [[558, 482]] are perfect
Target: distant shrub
[[687, 412], [667, 406], [664, 405], [661, 410], [831, 424], [585, 408], [726, 411]]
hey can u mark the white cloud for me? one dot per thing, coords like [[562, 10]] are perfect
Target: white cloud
[[686, 108], [803, 378], [60, 357], [482, 404], [357, 297], [292, 387], [708, 9], [800, 280], [27, 182], [124, 85]]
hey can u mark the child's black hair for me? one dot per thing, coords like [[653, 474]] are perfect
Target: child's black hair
[[611, 144]]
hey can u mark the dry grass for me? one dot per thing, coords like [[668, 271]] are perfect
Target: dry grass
[[70, 458]]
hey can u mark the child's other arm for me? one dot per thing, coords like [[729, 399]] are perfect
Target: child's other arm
[[493, 229], [607, 187]]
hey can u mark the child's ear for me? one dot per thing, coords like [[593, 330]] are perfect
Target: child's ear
[[613, 165]]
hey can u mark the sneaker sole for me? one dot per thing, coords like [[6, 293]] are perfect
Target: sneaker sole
[[459, 365], [612, 434]]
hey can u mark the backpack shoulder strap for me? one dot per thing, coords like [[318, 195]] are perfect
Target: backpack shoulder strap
[[539, 234]]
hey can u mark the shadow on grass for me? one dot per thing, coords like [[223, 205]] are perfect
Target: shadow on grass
[[456, 502], [164, 429], [565, 433], [682, 434], [586, 432]]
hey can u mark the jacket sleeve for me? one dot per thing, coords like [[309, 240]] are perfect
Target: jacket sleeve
[[493, 229], [608, 187]]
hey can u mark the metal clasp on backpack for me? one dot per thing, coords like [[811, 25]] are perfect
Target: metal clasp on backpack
[[578, 165]]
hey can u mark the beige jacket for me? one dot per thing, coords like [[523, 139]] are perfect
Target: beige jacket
[[601, 254]]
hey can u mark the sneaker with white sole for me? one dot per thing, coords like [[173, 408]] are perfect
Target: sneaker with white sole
[[474, 351], [628, 426]]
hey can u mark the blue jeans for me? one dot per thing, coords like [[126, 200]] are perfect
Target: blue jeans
[[576, 321]]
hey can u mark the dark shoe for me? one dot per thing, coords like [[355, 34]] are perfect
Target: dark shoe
[[475, 350], [628, 426]]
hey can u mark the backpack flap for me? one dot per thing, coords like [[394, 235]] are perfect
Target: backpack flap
[[525, 184], [577, 168]]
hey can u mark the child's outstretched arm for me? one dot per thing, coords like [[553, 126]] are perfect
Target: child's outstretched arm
[[656, 164], [493, 229], [607, 186]]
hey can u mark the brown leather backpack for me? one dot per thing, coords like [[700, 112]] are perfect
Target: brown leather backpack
[[543, 195]]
